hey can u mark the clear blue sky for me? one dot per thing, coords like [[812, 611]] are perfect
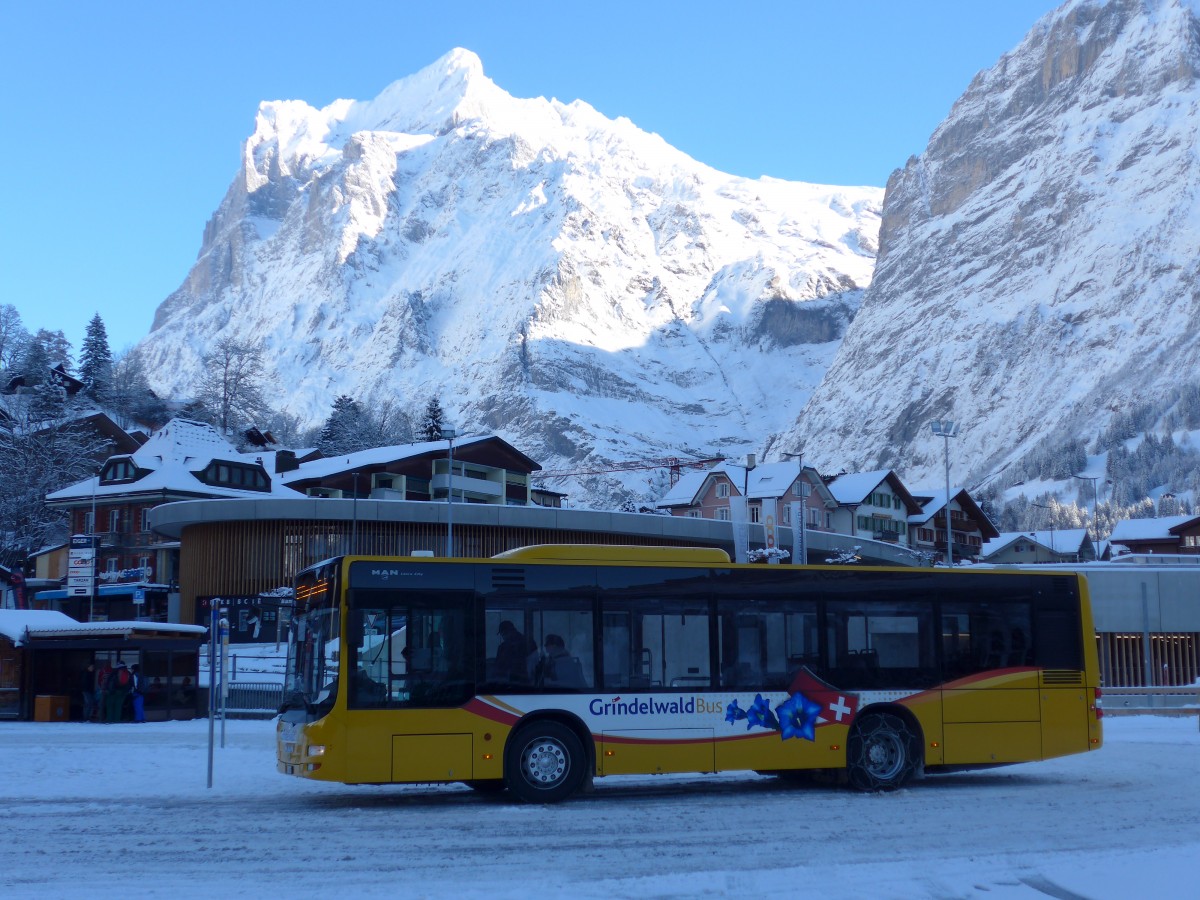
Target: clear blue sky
[[124, 120]]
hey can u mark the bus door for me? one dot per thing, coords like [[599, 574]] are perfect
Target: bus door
[[656, 652], [990, 705]]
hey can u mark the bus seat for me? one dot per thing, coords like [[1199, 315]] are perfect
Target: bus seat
[[568, 673]]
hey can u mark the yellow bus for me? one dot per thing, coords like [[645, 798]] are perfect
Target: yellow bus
[[541, 668]]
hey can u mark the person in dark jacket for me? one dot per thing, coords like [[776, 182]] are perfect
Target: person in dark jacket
[[103, 675], [513, 655]]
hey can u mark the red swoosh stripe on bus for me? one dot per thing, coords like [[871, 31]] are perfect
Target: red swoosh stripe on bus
[[487, 711]]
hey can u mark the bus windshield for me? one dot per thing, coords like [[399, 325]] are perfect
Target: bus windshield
[[313, 648]]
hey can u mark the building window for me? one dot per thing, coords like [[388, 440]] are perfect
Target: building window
[[722, 489], [110, 565], [756, 514], [145, 522], [693, 513], [119, 470], [114, 520], [787, 515], [723, 514]]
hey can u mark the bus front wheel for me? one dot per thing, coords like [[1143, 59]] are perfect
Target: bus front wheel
[[882, 752], [544, 763]]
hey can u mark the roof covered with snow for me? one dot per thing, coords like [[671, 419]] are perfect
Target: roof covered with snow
[[685, 491], [171, 459], [764, 481], [1148, 529], [1058, 540], [376, 456], [18, 625], [853, 487]]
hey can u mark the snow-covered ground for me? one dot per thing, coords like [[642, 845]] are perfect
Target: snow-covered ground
[[123, 810]]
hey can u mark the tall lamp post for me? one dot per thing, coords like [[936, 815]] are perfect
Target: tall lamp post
[[946, 429], [449, 434]]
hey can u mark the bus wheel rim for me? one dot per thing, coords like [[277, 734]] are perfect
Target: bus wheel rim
[[884, 755], [545, 763]]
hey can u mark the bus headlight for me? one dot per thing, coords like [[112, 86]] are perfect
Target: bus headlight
[[316, 750]]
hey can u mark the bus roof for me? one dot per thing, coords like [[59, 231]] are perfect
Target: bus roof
[[615, 553]]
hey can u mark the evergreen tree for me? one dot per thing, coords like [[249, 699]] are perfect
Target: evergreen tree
[[346, 430], [434, 420], [95, 360]]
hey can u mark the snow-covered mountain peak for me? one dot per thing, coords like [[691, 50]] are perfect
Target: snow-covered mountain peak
[[564, 279]]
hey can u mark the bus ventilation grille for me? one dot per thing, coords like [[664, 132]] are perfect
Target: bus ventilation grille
[[1062, 677], [508, 579]]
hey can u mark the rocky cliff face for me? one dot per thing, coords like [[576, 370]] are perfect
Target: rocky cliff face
[[1037, 268], [565, 280]]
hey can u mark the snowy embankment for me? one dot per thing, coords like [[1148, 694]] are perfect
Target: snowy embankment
[[1119, 822]]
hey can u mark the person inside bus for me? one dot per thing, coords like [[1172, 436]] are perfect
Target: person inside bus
[[558, 668], [513, 655]]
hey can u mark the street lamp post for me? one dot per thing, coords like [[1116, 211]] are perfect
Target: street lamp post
[[946, 429], [449, 434]]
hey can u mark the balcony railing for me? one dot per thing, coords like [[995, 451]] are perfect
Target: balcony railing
[[124, 540], [463, 485]]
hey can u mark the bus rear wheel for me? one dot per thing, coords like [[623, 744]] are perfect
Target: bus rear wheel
[[882, 753], [544, 763]]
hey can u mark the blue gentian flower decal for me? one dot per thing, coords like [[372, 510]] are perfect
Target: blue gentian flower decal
[[798, 717], [733, 712], [760, 714]]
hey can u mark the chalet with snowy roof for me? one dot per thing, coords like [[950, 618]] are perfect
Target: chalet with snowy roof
[[873, 505], [770, 488], [487, 469], [184, 460], [1175, 535], [1058, 545], [969, 527]]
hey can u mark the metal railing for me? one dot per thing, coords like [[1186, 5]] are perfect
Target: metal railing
[[253, 699], [1182, 699]]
